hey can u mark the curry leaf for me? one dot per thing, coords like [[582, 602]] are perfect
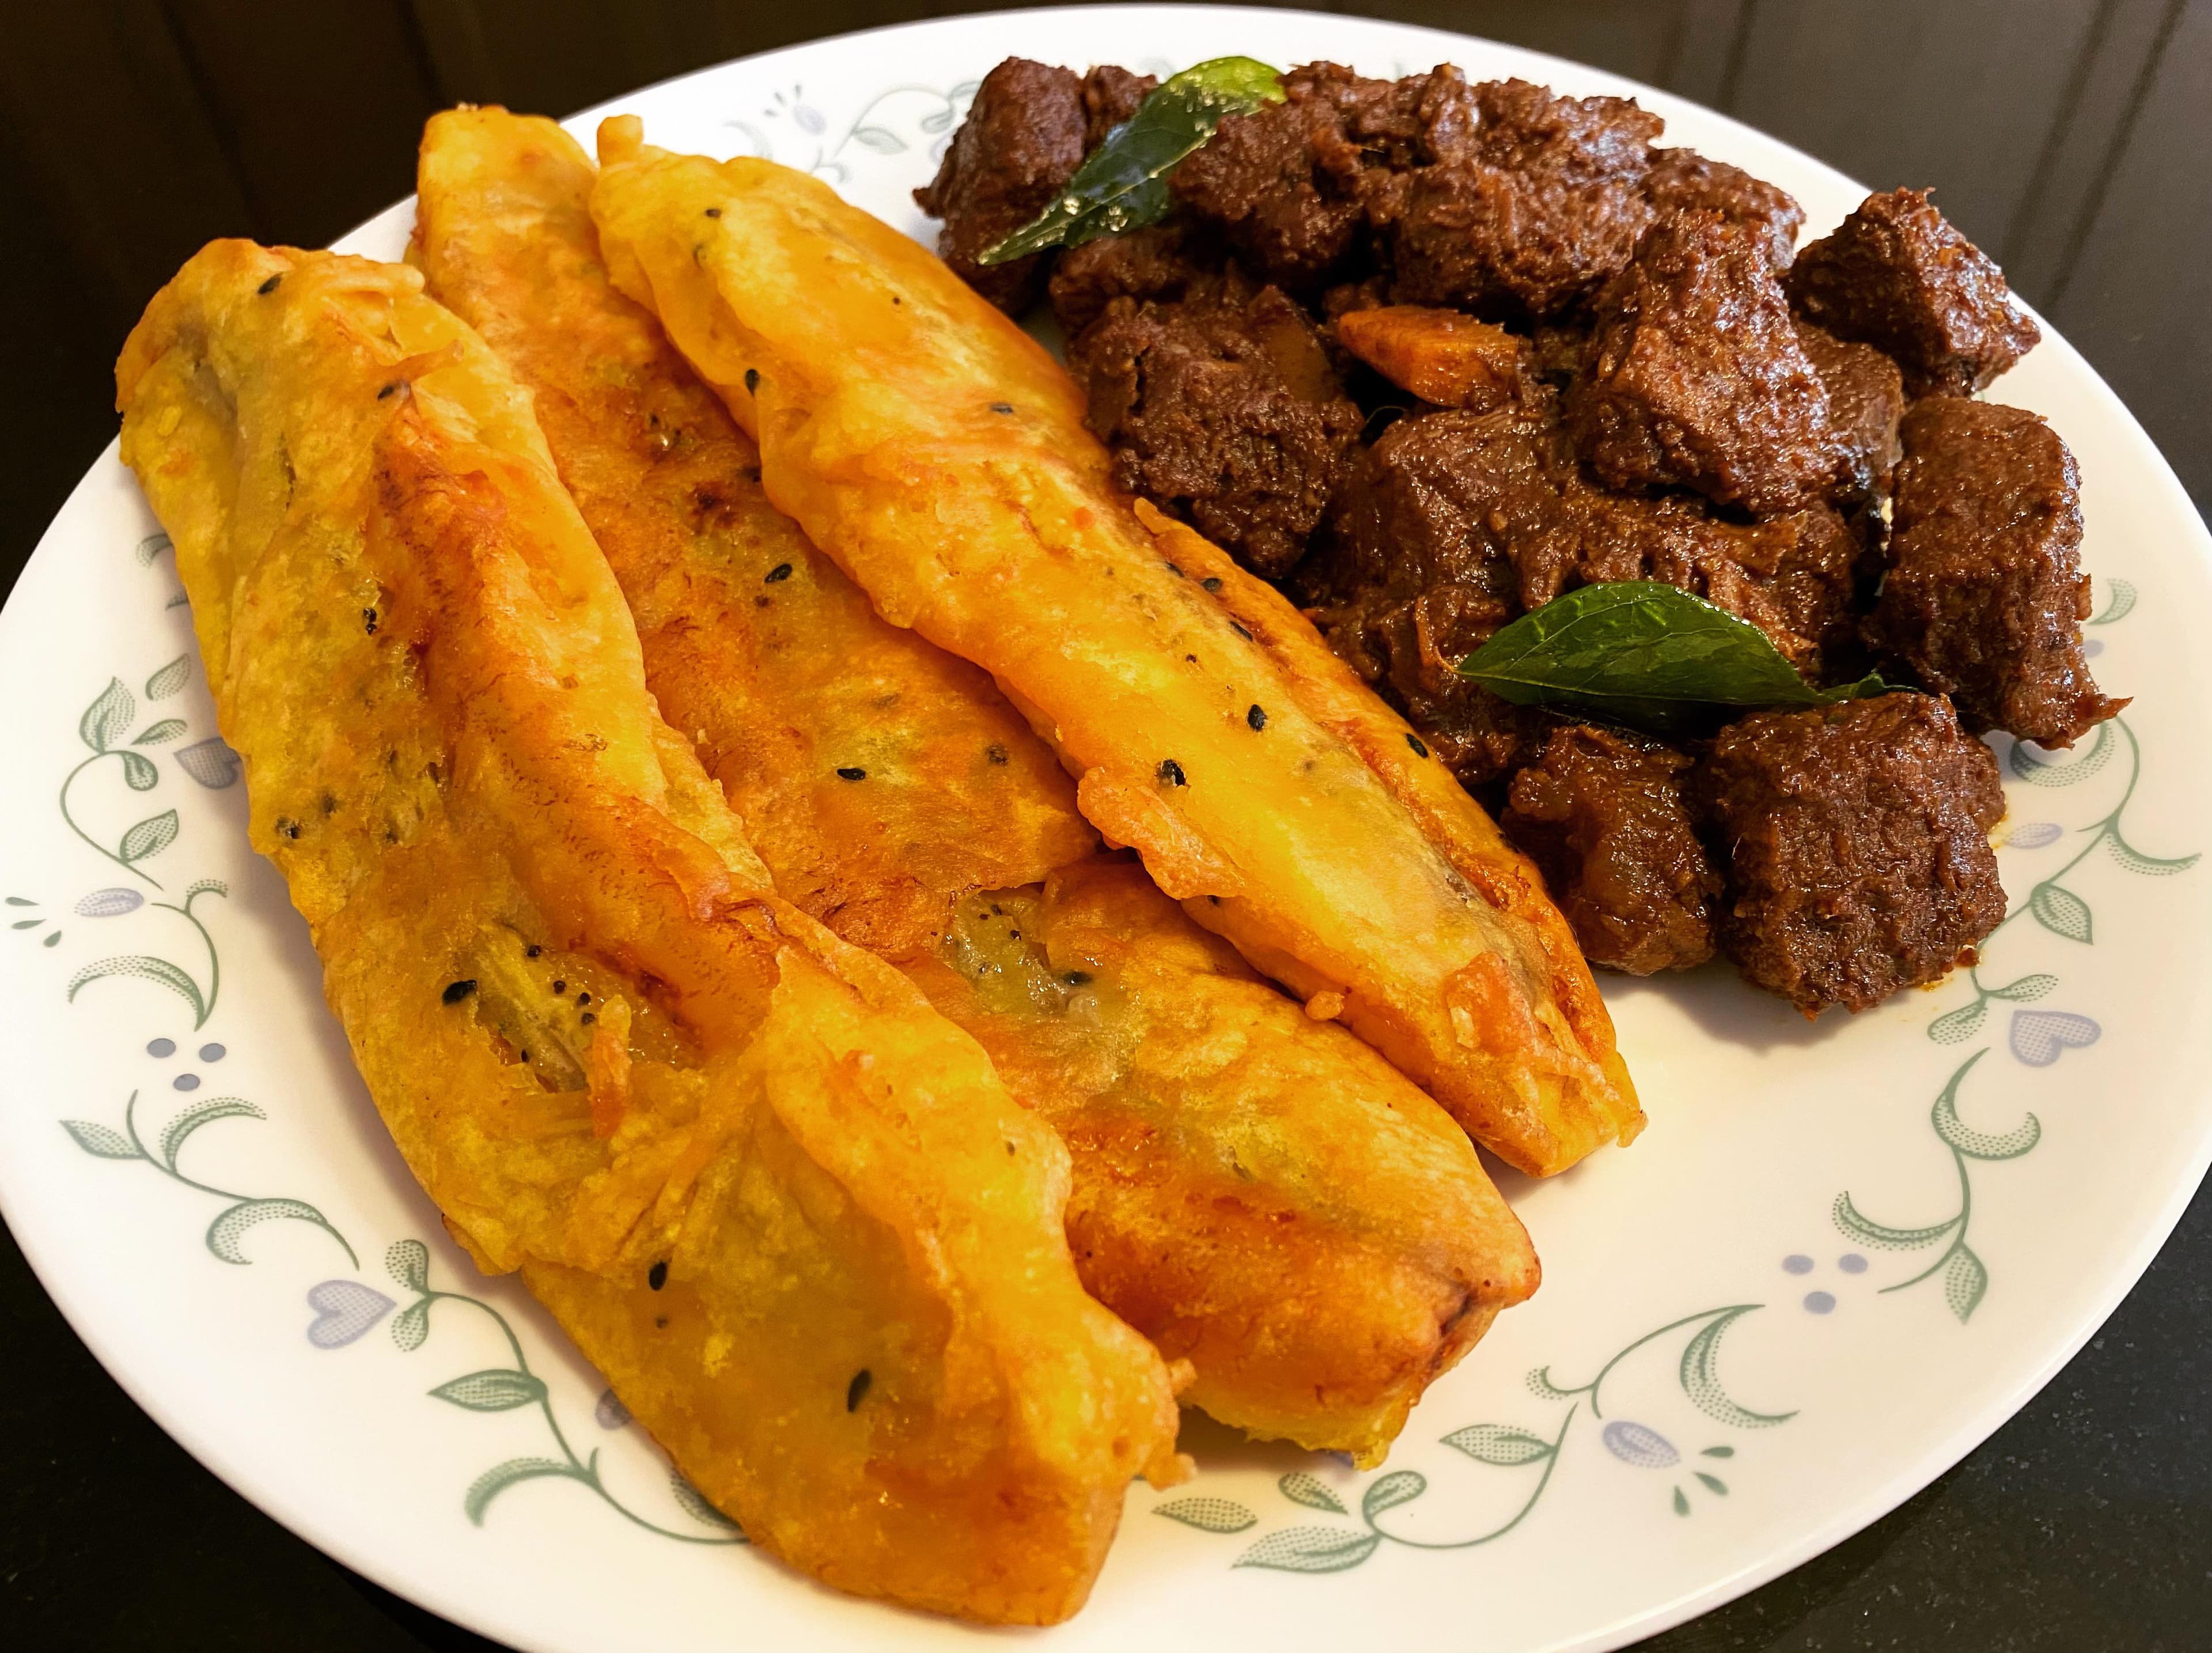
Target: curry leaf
[[1644, 653], [1122, 183]]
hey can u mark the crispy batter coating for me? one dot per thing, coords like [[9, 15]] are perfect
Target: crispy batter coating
[[939, 454], [452, 757], [1256, 1191]]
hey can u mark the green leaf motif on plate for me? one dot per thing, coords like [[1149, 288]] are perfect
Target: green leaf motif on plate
[[411, 1325], [2061, 912], [170, 678], [140, 776], [203, 1113], [2151, 867], [224, 1233], [1982, 1144], [500, 1389], [145, 969], [100, 1140], [1122, 183], [1311, 1549], [1301, 1488], [1644, 653], [408, 1262], [497, 1479], [2026, 990], [695, 1503], [1388, 1492], [1965, 1280], [1498, 1444], [1867, 1231], [156, 734], [2024, 762], [1957, 1026], [107, 717], [1208, 1515], [1701, 1382], [151, 835]]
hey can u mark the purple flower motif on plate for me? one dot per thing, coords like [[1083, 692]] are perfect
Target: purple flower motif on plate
[[2040, 1037], [610, 1413], [2034, 835], [345, 1311], [1639, 1444], [109, 903]]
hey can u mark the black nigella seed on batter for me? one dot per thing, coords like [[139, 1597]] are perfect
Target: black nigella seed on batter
[[1172, 772], [996, 407], [713, 212], [456, 991], [583, 998], [269, 286], [560, 987], [368, 621], [1176, 572], [656, 1276], [588, 1017], [752, 379], [1240, 631], [995, 753], [533, 951], [287, 827], [1414, 741], [389, 390], [1076, 978], [1256, 718], [1211, 582], [780, 571], [857, 1390], [851, 775]]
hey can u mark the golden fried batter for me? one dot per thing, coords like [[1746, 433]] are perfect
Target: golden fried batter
[[787, 1209], [1254, 1190], [939, 454]]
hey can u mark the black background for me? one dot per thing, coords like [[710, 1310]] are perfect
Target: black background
[[2071, 138]]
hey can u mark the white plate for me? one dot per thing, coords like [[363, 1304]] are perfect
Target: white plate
[[1731, 1365]]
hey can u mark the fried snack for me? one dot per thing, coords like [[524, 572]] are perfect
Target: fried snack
[[933, 449], [787, 1209], [1256, 1191]]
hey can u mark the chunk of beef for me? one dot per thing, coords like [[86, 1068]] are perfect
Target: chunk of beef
[[1453, 522], [1682, 180], [1559, 348], [1287, 183], [1855, 842], [1897, 276], [1540, 208], [1985, 594], [1171, 259], [1227, 414], [1813, 565], [1024, 137], [1866, 398], [1416, 577], [1110, 96], [1695, 376], [1608, 820], [1443, 356]]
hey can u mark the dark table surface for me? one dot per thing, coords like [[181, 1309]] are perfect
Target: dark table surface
[[2071, 138]]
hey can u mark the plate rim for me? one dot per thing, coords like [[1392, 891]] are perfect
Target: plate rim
[[303, 1516]]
